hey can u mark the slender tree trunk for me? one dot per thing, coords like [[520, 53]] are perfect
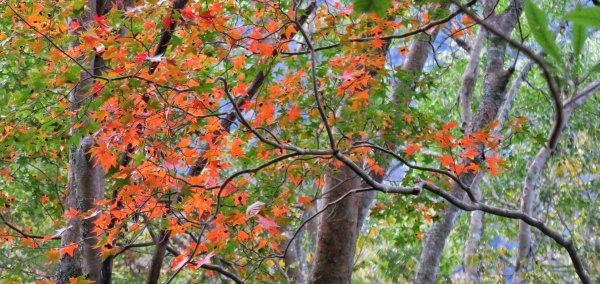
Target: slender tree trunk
[[474, 237], [475, 233], [494, 91], [85, 184], [533, 178]]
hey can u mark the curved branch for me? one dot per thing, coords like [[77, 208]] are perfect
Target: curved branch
[[389, 37], [514, 214]]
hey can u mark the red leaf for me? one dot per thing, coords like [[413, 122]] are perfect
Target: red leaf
[[73, 25], [446, 160], [205, 259], [267, 223], [470, 153], [449, 126], [410, 149], [71, 213], [70, 249], [141, 57]]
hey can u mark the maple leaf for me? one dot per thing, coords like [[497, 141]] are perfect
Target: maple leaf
[[91, 40], [205, 259], [240, 198], [446, 160], [410, 149], [449, 125], [74, 24], [71, 213], [70, 249], [80, 280], [266, 223], [168, 21], [305, 200], [238, 62], [44, 198], [494, 170], [472, 167], [242, 236], [236, 150], [470, 153], [240, 88], [492, 164], [294, 113], [141, 57], [467, 20]]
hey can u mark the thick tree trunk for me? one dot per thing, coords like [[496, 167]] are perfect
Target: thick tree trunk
[[89, 180], [336, 238], [70, 266], [354, 206]]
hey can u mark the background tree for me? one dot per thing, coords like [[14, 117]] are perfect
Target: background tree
[[246, 141]]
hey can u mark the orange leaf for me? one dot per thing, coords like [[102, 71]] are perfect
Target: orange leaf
[[449, 126], [470, 153], [410, 149], [74, 280], [71, 213], [70, 249], [446, 160], [305, 200], [294, 113]]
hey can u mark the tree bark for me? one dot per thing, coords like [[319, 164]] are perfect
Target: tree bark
[[85, 179], [533, 179], [471, 267], [471, 270], [331, 266], [336, 237], [494, 90]]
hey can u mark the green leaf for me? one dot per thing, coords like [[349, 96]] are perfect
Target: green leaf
[[578, 39], [595, 69], [378, 7], [539, 28], [579, 35], [588, 17]]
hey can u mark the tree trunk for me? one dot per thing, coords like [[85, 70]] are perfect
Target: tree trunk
[[85, 180], [494, 90], [331, 266], [474, 237], [336, 237], [533, 179], [475, 233]]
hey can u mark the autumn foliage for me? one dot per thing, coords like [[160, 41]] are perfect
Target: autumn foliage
[[199, 110]]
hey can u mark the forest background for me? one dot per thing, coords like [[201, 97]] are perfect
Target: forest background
[[299, 141]]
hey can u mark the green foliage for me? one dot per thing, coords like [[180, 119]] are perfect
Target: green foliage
[[588, 17], [579, 34], [536, 19], [372, 6]]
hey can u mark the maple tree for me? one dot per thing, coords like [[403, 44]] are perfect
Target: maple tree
[[182, 141]]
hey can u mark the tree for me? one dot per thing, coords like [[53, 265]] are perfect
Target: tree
[[247, 141]]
